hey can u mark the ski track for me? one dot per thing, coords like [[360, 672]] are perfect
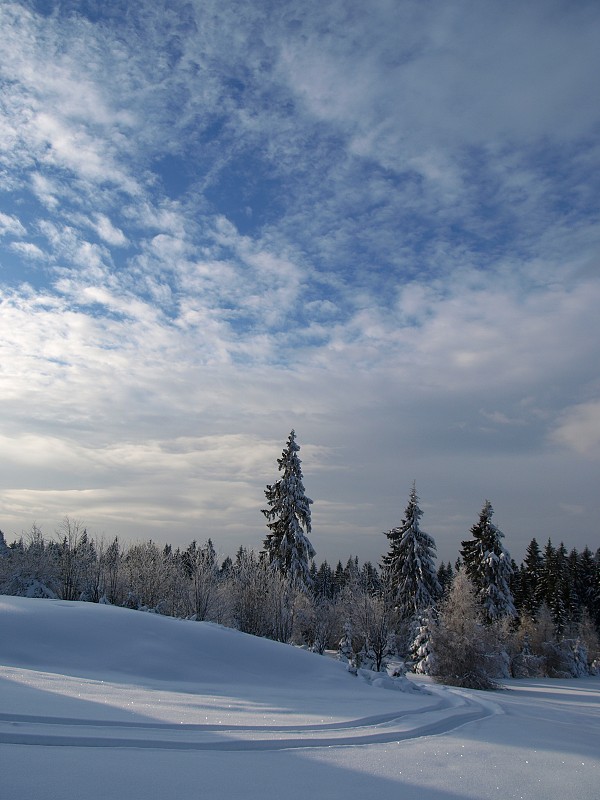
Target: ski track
[[453, 710]]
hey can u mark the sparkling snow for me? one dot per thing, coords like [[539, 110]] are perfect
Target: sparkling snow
[[102, 702]]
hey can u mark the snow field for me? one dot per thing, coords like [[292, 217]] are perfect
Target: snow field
[[102, 702]]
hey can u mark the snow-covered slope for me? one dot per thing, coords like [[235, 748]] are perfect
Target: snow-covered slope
[[86, 639]]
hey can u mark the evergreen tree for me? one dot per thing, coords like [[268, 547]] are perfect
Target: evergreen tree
[[287, 545], [339, 580], [351, 571], [421, 648], [445, 576], [369, 578], [553, 584], [596, 592], [489, 567], [345, 648], [586, 581], [112, 567], [409, 568], [226, 567], [517, 585], [531, 577], [573, 598], [323, 584]]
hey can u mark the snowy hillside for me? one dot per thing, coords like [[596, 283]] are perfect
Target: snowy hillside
[[103, 702], [84, 639]]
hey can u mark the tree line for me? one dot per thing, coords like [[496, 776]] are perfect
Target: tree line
[[469, 623]]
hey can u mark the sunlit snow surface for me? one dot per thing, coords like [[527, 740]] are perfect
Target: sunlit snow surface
[[102, 702]]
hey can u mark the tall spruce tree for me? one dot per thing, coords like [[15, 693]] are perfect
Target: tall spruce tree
[[409, 569], [587, 580], [531, 570], [488, 566], [554, 585], [288, 518], [596, 591]]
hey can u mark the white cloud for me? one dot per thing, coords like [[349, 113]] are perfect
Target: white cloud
[[11, 225], [57, 112], [102, 226], [89, 259], [107, 231], [470, 74], [76, 149], [29, 250], [45, 190], [579, 429]]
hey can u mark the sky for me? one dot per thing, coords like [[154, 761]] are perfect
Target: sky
[[377, 224]]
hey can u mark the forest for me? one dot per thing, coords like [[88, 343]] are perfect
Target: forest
[[470, 623]]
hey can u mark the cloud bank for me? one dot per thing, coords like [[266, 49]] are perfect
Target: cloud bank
[[378, 226]]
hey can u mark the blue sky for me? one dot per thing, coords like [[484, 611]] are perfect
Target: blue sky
[[375, 223]]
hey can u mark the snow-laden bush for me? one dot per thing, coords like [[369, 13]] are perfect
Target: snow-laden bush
[[465, 651], [565, 659], [526, 664]]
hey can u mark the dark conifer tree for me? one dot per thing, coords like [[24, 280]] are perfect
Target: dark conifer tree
[[351, 570], [573, 599], [552, 584], [489, 566], [595, 600], [323, 585], [369, 578], [339, 580], [527, 593], [445, 576], [517, 585], [586, 575]]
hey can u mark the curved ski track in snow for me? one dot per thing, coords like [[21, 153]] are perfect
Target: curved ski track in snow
[[453, 710]]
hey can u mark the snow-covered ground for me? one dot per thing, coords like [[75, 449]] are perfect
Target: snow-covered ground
[[99, 702]]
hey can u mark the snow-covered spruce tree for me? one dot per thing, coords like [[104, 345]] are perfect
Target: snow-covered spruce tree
[[421, 649], [345, 648], [489, 566], [408, 568], [288, 518]]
